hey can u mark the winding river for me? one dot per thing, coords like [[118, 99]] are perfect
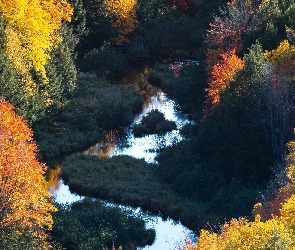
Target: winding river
[[169, 234]]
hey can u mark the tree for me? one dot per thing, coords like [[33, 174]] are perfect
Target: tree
[[283, 57], [24, 197], [227, 30], [124, 14], [223, 72], [30, 42], [31, 31], [272, 95], [269, 22]]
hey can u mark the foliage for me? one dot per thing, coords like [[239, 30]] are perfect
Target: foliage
[[96, 105], [103, 61], [25, 201], [124, 14], [227, 30], [61, 71], [166, 36], [275, 233], [222, 74], [31, 31], [273, 95], [283, 57], [154, 122], [94, 225], [11, 88]]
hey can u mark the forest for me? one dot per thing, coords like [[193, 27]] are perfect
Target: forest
[[230, 65]]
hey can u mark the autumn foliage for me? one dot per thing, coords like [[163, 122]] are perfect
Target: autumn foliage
[[32, 31], [24, 197], [124, 18], [182, 5], [283, 58], [223, 72]]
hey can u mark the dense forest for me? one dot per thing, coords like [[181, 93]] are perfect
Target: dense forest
[[228, 64]]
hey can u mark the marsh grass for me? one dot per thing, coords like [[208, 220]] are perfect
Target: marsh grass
[[130, 181], [97, 105]]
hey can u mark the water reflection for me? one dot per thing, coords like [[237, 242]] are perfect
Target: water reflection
[[169, 234], [106, 147], [119, 142], [53, 179]]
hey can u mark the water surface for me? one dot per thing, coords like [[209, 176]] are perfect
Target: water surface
[[169, 234]]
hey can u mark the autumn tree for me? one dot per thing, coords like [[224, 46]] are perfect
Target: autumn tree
[[30, 37], [223, 72], [272, 94], [283, 58], [31, 31], [24, 197], [124, 18], [227, 29], [182, 5]]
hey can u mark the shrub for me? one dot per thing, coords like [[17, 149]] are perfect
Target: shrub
[[154, 122], [90, 224]]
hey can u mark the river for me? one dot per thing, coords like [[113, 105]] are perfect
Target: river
[[169, 234]]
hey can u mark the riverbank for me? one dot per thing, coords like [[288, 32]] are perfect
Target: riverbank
[[96, 106], [138, 185], [130, 181]]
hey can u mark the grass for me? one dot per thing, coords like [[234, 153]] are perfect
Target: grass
[[130, 181], [97, 105]]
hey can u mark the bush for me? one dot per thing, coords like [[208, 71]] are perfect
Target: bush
[[97, 105], [90, 224], [154, 122]]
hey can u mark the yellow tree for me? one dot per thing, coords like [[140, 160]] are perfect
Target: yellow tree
[[275, 233], [32, 31], [283, 58], [125, 19], [25, 202]]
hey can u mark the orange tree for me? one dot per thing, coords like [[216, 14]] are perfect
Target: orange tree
[[223, 72], [25, 202]]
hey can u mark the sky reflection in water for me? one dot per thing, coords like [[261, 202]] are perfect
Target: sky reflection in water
[[169, 234], [147, 146]]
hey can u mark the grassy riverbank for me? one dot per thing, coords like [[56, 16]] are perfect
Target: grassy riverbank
[[97, 105], [124, 179]]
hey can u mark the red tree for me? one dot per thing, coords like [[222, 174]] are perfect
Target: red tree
[[182, 5]]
